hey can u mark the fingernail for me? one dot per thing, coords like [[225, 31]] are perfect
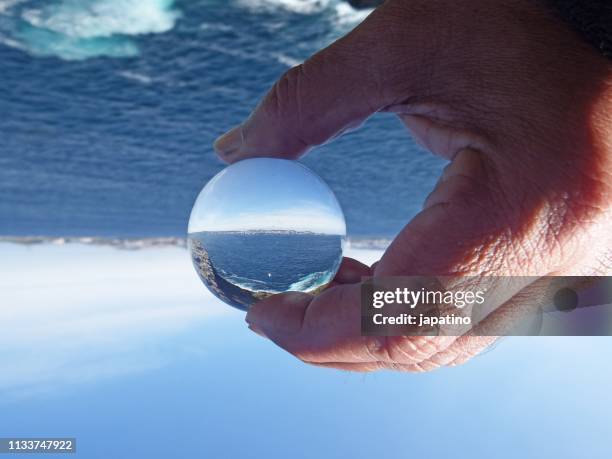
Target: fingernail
[[229, 142]]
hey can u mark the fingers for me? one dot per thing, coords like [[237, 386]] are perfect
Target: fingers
[[459, 223], [351, 271], [462, 350], [465, 175], [459, 234], [336, 89], [320, 329], [308, 105], [441, 139], [526, 313], [326, 329]]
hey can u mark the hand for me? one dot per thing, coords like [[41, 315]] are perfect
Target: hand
[[520, 106]]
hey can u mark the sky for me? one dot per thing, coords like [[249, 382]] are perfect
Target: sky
[[129, 353], [267, 194]]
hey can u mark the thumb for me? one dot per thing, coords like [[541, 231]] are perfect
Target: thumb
[[326, 329], [316, 329], [334, 90]]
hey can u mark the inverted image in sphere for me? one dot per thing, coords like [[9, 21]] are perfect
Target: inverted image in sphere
[[264, 226]]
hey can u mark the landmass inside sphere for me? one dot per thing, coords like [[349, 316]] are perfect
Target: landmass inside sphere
[[242, 267]]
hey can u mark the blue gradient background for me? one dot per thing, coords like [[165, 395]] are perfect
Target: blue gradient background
[[238, 396]]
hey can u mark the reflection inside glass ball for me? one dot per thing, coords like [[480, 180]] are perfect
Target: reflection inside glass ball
[[264, 226]]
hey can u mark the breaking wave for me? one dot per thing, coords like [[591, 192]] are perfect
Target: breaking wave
[[308, 283], [80, 29], [253, 285], [103, 18], [342, 14], [295, 6], [312, 281], [348, 16]]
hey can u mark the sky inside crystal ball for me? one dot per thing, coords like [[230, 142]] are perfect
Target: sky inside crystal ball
[[265, 194]]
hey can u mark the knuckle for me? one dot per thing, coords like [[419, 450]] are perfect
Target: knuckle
[[285, 102], [283, 91], [406, 350]]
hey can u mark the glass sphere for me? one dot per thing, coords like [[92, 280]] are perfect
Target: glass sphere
[[264, 226]]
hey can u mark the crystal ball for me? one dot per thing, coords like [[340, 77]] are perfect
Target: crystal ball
[[264, 226]]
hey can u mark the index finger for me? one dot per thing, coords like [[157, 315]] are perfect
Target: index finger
[[334, 90]]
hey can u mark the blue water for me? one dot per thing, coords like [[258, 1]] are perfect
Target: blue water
[[273, 262], [108, 109]]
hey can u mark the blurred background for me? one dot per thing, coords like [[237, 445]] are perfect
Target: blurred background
[[108, 109]]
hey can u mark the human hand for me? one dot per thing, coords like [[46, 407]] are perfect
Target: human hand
[[520, 106]]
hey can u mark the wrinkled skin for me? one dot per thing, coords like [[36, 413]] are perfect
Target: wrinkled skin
[[522, 109]]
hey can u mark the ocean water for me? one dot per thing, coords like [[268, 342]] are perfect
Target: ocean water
[[108, 109], [240, 267]]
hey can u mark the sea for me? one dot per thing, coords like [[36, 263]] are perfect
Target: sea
[[266, 259], [241, 266], [109, 108]]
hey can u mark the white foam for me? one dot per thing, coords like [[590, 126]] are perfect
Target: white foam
[[342, 14], [11, 43], [346, 15], [104, 18], [135, 76], [294, 6], [81, 29], [311, 281], [286, 60], [246, 283]]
